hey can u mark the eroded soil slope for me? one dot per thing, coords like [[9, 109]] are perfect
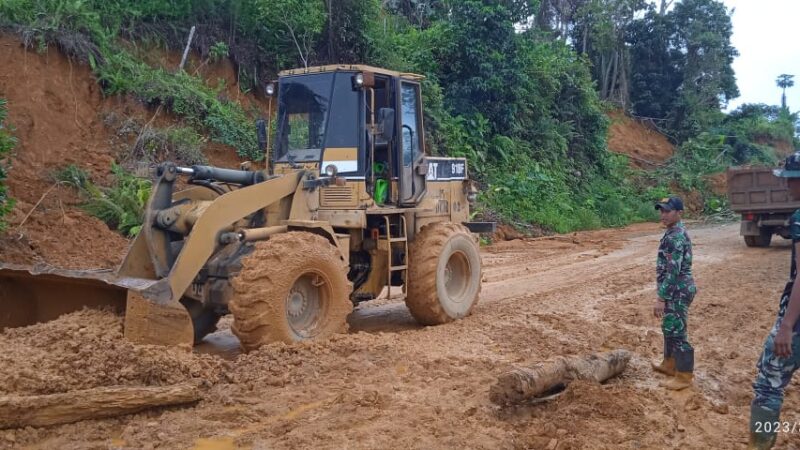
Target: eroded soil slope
[[60, 117], [645, 146], [53, 107]]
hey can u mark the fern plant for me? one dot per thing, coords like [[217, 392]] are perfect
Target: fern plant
[[6, 144], [120, 206]]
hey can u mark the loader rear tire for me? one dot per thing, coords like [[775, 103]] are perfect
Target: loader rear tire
[[291, 288], [444, 274]]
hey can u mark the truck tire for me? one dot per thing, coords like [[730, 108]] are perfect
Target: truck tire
[[291, 288], [762, 240], [444, 274]]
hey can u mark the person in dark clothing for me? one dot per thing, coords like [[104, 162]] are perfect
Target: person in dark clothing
[[780, 357], [676, 290]]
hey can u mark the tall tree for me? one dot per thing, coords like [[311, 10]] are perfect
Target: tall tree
[[289, 28], [479, 71], [784, 81], [600, 32], [702, 33], [419, 13], [656, 67], [348, 26], [557, 16]]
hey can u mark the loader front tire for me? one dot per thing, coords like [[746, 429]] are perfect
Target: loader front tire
[[291, 288], [444, 274]]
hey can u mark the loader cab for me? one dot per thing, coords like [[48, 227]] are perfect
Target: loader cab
[[363, 121]]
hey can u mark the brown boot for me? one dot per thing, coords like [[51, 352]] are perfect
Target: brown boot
[[684, 368], [681, 380], [667, 366]]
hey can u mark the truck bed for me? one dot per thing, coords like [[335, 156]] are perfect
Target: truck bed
[[757, 190]]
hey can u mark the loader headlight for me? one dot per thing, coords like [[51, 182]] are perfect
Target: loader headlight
[[331, 170], [365, 79]]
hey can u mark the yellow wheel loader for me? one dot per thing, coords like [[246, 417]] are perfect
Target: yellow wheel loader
[[348, 207]]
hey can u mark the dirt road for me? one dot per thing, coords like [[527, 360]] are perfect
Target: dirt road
[[392, 384]]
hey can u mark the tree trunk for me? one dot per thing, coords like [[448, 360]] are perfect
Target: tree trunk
[[664, 5], [544, 18], [529, 382], [332, 57], [186, 50], [604, 80], [612, 80], [624, 89], [585, 37], [53, 409]]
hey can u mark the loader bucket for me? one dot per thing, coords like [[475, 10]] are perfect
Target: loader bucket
[[36, 294]]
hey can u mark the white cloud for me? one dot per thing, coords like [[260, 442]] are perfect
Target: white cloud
[[765, 33]]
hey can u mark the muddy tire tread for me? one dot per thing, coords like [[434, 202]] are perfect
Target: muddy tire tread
[[267, 274], [424, 253]]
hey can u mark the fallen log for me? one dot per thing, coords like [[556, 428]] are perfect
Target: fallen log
[[53, 409], [529, 382]]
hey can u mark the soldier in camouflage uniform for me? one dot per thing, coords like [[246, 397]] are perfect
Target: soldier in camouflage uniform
[[676, 290], [781, 355]]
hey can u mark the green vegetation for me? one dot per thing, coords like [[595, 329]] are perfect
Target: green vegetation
[[6, 144], [91, 31], [121, 206], [523, 108], [745, 136], [519, 87], [184, 95], [181, 144]]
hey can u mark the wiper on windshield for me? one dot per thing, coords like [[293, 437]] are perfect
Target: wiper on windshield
[[291, 160]]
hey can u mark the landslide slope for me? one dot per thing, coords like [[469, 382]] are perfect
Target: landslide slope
[[60, 117]]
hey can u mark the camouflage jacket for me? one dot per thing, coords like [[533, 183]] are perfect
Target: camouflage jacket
[[794, 231], [674, 264]]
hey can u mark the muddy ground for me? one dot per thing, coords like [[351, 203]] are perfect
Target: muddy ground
[[390, 383]]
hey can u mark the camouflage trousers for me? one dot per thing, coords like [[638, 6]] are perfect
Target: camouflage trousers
[[675, 322], [774, 373]]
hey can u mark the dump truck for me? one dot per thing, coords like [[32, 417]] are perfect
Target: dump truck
[[763, 201], [348, 207]]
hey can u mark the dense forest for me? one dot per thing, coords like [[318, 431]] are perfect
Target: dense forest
[[520, 87]]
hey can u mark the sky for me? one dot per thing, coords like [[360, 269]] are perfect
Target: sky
[[766, 34]]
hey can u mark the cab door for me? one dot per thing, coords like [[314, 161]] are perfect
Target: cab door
[[411, 155]]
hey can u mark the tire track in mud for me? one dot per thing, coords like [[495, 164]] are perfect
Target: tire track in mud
[[568, 294]]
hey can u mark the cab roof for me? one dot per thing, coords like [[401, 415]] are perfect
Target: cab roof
[[351, 68]]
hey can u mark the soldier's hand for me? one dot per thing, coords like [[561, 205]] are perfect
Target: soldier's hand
[[658, 308], [783, 343]]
